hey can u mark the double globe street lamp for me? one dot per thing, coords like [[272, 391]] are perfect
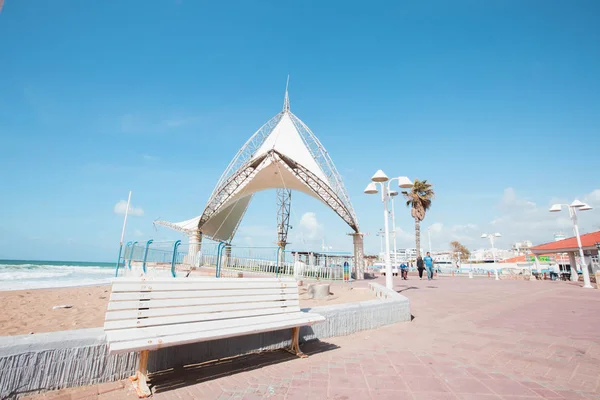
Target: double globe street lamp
[[573, 207], [386, 193]]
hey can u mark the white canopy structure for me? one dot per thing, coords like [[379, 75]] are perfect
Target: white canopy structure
[[283, 154]]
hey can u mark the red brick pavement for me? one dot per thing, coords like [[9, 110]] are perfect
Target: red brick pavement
[[470, 339]]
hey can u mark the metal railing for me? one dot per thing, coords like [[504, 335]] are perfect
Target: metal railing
[[218, 259]]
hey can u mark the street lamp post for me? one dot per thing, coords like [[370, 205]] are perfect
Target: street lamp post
[[403, 182], [576, 204], [393, 194], [491, 236], [381, 234]]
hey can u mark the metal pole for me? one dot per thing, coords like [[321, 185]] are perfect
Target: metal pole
[[394, 232], [389, 282], [122, 234], [586, 274], [574, 276], [148, 243], [494, 257], [174, 259]]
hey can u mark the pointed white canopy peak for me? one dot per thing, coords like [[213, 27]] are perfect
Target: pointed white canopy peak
[[286, 99]]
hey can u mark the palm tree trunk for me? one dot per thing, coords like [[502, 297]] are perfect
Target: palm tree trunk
[[418, 236]]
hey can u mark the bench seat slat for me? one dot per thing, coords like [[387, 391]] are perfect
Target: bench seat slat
[[185, 284], [187, 294], [186, 318], [126, 279], [134, 305], [158, 312], [166, 330], [251, 325]]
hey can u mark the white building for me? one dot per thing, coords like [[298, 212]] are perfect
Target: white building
[[487, 255], [521, 248]]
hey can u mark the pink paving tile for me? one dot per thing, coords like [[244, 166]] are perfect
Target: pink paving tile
[[420, 370], [386, 383], [434, 396], [467, 385], [348, 394], [546, 393], [477, 396], [299, 383], [425, 384], [391, 395], [348, 381], [507, 387]]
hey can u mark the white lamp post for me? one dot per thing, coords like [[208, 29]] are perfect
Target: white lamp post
[[576, 204], [403, 182], [491, 236], [393, 194]]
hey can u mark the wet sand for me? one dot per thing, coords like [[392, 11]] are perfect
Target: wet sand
[[31, 311]]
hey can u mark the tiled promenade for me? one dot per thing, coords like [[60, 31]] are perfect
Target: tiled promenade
[[470, 339]]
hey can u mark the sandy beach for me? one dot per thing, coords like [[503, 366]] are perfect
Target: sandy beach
[[31, 311]]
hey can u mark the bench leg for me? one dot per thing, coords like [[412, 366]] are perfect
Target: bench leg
[[295, 347], [141, 376]]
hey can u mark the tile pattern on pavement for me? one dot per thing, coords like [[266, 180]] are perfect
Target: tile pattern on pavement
[[470, 339]]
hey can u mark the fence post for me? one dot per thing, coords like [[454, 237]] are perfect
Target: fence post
[[218, 266], [177, 243], [148, 243], [278, 262], [119, 258], [131, 255]]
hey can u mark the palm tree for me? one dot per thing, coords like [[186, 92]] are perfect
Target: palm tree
[[419, 199]]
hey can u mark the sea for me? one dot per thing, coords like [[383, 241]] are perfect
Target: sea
[[28, 274]]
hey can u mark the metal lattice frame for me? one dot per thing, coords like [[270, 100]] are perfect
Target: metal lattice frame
[[243, 167], [284, 207]]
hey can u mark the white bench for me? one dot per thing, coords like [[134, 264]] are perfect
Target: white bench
[[147, 314]]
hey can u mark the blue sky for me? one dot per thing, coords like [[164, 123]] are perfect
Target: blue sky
[[496, 103]]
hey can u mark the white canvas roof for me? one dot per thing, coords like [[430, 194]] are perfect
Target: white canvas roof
[[286, 140], [282, 154]]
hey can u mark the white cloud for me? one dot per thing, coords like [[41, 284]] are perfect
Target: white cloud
[[463, 228], [121, 206], [436, 227], [593, 198], [138, 233], [148, 157], [310, 226]]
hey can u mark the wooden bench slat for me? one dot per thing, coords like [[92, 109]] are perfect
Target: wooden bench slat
[[168, 279], [250, 300], [186, 318], [167, 330], [158, 312], [220, 333], [185, 284], [124, 296]]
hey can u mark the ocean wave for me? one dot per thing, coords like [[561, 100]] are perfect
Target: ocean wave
[[30, 269], [66, 266], [48, 284], [15, 275]]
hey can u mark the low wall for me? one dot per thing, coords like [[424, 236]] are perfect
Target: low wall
[[47, 361]]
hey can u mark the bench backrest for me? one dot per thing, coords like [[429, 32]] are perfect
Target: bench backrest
[[145, 302]]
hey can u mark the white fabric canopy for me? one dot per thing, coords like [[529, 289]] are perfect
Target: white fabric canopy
[[282, 154]]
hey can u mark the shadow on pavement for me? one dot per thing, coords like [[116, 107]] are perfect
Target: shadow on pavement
[[408, 288], [174, 378]]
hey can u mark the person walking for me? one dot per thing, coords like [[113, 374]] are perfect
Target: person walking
[[429, 265], [420, 267]]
